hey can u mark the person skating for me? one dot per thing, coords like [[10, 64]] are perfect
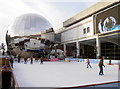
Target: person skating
[[31, 60], [41, 60], [19, 57], [25, 60], [101, 64], [88, 63], [11, 61]]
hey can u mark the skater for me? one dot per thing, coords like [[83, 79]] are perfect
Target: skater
[[88, 63], [41, 60], [31, 60], [25, 60], [11, 61], [101, 64], [19, 57]]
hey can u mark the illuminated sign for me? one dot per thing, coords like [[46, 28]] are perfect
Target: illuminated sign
[[108, 24], [108, 20]]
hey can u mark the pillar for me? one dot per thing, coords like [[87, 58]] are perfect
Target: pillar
[[64, 49], [98, 47], [78, 49], [55, 52]]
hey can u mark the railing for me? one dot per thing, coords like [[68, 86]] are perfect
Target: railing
[[95, 61]]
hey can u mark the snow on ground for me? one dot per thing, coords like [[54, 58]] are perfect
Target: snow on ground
[[62, 74]]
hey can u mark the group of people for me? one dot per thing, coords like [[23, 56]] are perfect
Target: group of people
[[25, 60], [31, 60], [101, 65]]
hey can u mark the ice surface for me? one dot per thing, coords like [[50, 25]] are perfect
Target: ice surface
[[62, 74]]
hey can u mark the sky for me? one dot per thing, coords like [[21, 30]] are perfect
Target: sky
[[55, 11]]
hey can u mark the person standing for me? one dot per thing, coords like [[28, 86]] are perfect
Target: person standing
[[101, 64], [88, 63], [6, 77], [11, 61], [31, 60]]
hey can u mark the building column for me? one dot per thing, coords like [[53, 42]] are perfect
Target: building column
[[64, 49], [83, 51], [98, 47], [78, 49], [55, 52]]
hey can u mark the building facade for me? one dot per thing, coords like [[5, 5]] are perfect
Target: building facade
[[93, 32]]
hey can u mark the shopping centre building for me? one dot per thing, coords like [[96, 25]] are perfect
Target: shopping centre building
[[92, 33]]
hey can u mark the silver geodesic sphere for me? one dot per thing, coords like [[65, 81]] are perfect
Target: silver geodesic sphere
[[29, 24]]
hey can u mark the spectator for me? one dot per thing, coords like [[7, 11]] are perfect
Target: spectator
[[6, 77]]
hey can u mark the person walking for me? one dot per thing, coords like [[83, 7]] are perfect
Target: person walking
[[11, 61], [101, 64], [88, 63], [31, 60]]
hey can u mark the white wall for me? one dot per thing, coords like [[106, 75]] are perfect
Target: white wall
[[76, 31], [70, 35], [49, 36], [31, 45], [81, 34]]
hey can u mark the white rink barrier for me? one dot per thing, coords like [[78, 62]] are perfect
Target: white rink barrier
[[95, 61]]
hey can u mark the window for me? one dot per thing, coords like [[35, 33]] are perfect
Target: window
[[88, 29], [84, 30]]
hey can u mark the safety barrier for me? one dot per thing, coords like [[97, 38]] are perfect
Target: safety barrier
[[95, 61]]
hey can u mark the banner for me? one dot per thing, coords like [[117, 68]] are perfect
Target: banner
[[108, 20]]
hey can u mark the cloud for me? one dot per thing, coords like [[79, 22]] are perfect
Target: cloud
[[56, 11], [9, 10]]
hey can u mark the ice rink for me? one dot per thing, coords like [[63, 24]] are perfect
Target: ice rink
[[62, 74]]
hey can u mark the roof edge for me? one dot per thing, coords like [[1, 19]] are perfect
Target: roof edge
[[103, 4]]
